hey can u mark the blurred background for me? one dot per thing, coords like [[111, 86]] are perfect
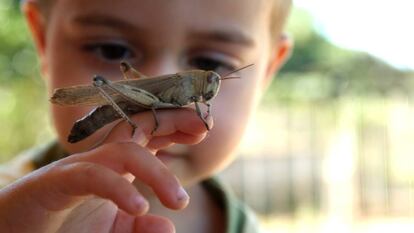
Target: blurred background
[[330, 149]]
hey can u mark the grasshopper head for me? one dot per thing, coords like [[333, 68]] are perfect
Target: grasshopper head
[[211, 85], [98, 81]]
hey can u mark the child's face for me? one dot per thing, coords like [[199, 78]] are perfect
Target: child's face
[[83, 38]]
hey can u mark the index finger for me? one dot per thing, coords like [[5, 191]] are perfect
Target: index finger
[[128, 157], [175, 125]]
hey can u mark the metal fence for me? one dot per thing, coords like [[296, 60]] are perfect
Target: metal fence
[[350, 158]]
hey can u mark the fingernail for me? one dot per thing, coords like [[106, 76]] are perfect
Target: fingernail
[[140, 138], [182, 195], [141, 205]]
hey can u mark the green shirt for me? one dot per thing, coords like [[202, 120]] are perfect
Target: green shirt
[[240, 219]]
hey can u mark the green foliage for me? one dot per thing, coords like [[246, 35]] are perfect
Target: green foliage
[[23, 105], [23, 113], [17, 55], [319, 71]]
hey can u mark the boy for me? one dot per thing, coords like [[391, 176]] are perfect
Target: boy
[[110, 188]]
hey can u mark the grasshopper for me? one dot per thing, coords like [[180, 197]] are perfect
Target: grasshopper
[[137, 93]]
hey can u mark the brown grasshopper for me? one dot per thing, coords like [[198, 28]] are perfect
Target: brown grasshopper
[[120, 99]]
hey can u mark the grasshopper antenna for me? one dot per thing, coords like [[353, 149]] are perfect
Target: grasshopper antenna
[[234, 71], [225, 78]]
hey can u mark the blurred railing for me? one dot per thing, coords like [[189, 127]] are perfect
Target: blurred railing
[[348, 159]]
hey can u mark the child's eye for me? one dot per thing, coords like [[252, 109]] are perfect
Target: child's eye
[[110, 51], [207, 63]]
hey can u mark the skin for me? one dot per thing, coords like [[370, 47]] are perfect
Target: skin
[[83, 38]]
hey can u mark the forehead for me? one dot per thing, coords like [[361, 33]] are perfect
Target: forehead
[[247, 17]]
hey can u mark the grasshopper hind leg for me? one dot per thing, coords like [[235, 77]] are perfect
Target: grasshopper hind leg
[[129, 72], [98, 82]]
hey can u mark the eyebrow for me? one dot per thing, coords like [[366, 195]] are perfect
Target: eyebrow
[[103, 20], [231, 36], [226, 36]]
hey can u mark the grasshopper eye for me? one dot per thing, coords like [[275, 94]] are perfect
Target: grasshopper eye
[[212, 77]]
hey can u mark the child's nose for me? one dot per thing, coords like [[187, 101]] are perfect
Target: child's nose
[[160, 66]]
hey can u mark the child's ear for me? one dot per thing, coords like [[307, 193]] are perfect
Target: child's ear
[[37, 25], [281, 53]]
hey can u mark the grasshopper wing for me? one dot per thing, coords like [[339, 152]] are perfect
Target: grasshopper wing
[[77, 95], [89, 95], [84, 95]]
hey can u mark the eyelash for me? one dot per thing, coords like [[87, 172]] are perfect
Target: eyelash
[[205, 62], [110, 51], [114, 52]]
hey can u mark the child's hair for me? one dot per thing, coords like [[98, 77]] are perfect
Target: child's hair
[[44, 6], [278, 17]]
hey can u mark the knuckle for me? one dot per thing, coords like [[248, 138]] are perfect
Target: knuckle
[[81, 170], [115, 148], [162, 173], [130, 150], [88, 169]]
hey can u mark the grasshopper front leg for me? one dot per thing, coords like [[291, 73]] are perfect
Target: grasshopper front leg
[[208, 109], [195, 99]]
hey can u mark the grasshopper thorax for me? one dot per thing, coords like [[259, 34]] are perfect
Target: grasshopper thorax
[[211, 85]]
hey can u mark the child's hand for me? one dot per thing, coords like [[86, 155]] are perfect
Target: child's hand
[[60, 196]]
